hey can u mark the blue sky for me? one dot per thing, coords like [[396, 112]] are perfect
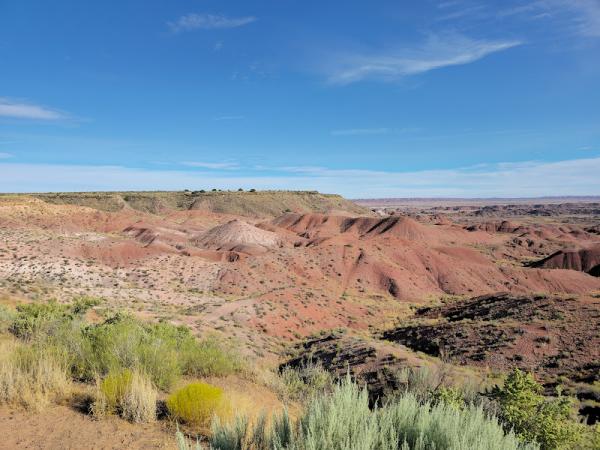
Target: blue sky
[[367, 99]]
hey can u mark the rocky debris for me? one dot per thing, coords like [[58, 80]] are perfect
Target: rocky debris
[[553, 336], [367, 362]]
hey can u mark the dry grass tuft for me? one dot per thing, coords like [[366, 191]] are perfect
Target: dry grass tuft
[[31, 376], [130, 394], [139, 401]]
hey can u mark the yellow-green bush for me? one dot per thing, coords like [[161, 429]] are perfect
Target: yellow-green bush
[[113, 389], [127, 393], [196, 404]]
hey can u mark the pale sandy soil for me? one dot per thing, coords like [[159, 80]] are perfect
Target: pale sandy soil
[[62, 428]]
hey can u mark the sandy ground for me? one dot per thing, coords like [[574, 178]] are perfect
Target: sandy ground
[[62, 428]]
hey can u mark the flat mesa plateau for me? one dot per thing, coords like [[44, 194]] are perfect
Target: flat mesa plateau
[[476, 285]]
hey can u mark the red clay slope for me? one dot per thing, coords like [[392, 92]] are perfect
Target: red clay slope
[[584, 259]]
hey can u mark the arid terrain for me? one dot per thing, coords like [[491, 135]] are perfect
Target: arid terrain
[[287, 276]]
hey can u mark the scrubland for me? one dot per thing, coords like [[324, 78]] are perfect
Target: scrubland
[[148, 372]]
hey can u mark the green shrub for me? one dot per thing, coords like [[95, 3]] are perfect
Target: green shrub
[[209, 357], [343, 421], [436, 385], [533, 417], [449, 396], [196, 404], [162, 351], [83, 304], [124, 342], [6, 318], [33, 319], [305, 382]]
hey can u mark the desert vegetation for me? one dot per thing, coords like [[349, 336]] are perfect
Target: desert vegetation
[[49, 350], [344, 420], [197, 404], [48, 347]]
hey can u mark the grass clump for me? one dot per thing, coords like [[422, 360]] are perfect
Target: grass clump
[[31, 376], [128, 394], [113, 389], [139, 403], [196, 404]]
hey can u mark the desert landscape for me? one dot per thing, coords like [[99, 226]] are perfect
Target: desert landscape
[[292, 225], [299, 281]]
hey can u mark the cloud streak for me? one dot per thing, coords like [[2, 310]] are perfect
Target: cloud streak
[[192, 21], [219, 118], [360, 131], [212, 165], [521, 179], [372, 131], [585, 14], [436, 52], [580, 17], [21, 110]]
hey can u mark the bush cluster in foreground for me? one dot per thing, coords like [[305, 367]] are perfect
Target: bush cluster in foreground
[[52, 345], [344, 421]]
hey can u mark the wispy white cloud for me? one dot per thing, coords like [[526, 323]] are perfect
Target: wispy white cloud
[[359, 131], [581, 17], [229, 118], [192, 21], [449, 4], [463, 12], [509, 179], [211, 165], [585, 14], [436, 52], [521, 179], [22, 110], [372, 131]]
